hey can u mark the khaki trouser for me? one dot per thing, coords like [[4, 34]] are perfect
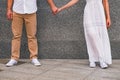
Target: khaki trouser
[[30, 25]]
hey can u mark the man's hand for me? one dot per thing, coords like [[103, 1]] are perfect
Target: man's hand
[[54, 10], [9, 14], [57, 10]]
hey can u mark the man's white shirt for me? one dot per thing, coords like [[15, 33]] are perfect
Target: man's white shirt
[[25, 6]]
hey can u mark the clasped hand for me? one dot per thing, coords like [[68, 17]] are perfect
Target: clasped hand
[[56, 10]]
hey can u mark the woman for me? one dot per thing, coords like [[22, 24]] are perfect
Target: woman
[[96, 21]]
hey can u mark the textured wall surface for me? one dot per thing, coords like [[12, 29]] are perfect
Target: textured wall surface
[[59, 36]]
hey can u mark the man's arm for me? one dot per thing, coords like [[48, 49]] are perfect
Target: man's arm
[[9, 9], [52, 6]]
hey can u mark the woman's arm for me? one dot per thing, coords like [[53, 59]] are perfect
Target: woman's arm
[[52, 6], [107, 12], [9, 9], [69, 4]]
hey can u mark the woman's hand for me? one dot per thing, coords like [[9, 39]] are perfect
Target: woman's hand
[[59, 10], [108, 22], [56, 10]]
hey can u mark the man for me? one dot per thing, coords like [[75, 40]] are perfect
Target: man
[[23, 11]]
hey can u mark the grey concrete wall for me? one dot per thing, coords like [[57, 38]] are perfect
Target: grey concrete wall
[[59, 36]]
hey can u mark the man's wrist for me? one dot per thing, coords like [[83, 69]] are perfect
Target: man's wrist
[[9, 9]]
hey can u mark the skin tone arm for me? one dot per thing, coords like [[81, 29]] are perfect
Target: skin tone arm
[[107, 12], [69, 4], [52, 6], [9, 9], [56, 10]]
